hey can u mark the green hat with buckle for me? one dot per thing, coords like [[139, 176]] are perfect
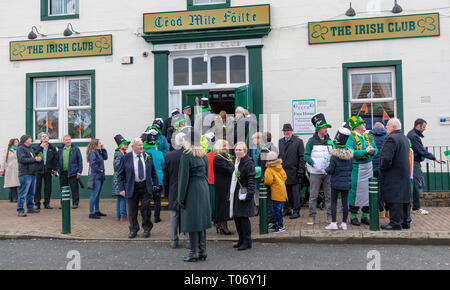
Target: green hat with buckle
[[355, 121]]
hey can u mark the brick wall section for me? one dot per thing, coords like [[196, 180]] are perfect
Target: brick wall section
[[439, 199]]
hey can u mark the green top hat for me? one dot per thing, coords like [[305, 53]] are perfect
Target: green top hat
[[318, 120], [355, 121]]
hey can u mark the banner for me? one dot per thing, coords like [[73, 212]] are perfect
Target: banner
[[302, 112], [391, 27], [207, 19], [60, 48]]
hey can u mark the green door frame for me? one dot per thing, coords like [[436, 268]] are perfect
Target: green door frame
[[398, 83]]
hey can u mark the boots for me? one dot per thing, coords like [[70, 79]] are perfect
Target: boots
[[295, 215], [202, 246], [194, 243]]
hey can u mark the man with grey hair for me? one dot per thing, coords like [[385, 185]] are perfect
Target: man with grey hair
[[395, 173]]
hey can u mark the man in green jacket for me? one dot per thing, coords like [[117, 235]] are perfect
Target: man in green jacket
[[364, 149]]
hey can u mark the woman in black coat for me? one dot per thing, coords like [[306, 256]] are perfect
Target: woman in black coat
[[241, 203], [223, 171]]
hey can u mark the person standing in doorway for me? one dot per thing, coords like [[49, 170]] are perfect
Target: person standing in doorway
[[420, 154], [9, 168]]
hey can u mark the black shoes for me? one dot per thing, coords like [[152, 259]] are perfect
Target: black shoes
[[295, 215], [33, 210], [355, 222], [38, 206], [75, 206], [157, 220], [191, 258], [99, 213], [287, 212], [132, 235], [94, 216], [365, 221], [388, 227], [146, 234], [47, 206], [406, 226]]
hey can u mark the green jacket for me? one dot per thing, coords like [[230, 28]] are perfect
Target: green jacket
[[361, 156], [193, 193]]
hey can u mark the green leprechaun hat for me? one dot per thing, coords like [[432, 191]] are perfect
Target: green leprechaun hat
[[120, 141], [355, 121], [318, 120]]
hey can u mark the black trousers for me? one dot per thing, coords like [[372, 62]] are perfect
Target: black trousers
[[72, 181], [47, 178], [13, 194], [244, 229], [399, 214], [355, 209], [344, 200], [293, 192], [140, 194]]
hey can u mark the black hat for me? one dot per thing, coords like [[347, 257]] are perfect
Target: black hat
[[158, 125], [120, 141], [341, 137], [150, 138], [287, 127], [346, 125], [205, 104], [318, 120]]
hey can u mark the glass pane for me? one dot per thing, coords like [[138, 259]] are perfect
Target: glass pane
[[360, 86], [41, 94], [62, 7], [382, 85], [51, 95], [219, 70], [181, 72], [47, 122], [80, 124], [237, 69], [85, 92], [374, 112], [196, 2], [199, 71], [74, 93]]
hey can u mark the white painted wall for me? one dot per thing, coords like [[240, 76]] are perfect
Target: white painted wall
[[292, 68]]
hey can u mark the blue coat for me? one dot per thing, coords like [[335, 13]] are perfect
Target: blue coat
[[75, 161], [379, 135], [340, 169], [126, 177], [97, 164], [163, 145], [158, 161]]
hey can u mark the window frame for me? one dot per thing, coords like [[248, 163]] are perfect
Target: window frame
[[192, 6], [45, 9], [397, 84], [61, 86]]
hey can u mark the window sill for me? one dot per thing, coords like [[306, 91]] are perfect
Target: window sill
[[60, 17]]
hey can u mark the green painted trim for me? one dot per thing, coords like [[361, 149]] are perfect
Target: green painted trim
[[191, 6], [161, 80], [45, 16], [256, 79], [439, 23], [29, 98], [398, 84], [211, 35]]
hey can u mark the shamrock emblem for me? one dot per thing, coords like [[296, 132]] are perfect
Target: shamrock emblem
[[426, 24], [102, 44], [319, 31], [18, 49]]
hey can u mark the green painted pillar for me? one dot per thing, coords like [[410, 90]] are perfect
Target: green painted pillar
[[65, 206], [373, 205], [161, 74], [256, 79], [263, 210]]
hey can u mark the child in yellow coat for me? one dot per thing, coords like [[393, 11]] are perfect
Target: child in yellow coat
[[275, 177]]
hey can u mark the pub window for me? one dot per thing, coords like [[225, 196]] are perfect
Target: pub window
[[61, 7], [62, 106], [207, 2], [181, 72], [237, 69], [219, 69], [372, 94], [199, 71]]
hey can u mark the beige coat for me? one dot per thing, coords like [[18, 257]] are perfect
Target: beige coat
[[11, 169]]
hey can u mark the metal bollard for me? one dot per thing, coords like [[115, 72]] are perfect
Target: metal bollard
[[263, 210], [65, 206], [373, 205]]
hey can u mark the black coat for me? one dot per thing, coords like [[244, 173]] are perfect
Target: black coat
[[170, 177], [245, 208], [340, 168], [291, 153], [223, 172], [27, 160], [395, 182], [52, 158]]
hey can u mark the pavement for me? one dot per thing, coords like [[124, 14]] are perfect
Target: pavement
[[431, 229]]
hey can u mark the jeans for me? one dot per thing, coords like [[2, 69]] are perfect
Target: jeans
[[418, 185], [94, 200], [26, 192], [277, 207], [121, 207]]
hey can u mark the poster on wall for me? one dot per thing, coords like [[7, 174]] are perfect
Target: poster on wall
[[445, 119], [302, 112]]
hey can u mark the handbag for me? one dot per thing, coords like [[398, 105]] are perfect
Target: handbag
[[90, 182]]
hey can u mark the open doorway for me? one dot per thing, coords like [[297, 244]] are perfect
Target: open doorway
[[222, 101]]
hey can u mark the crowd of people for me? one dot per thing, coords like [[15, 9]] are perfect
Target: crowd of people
[[210, 168]]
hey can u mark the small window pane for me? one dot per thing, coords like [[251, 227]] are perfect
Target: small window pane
[[181, 72], [382, 85], [219, 70], [47, 122], [197, 2], [199, 71], [237, 69], [46, 94], [79, 93], [61, 7], [360, 86], [74, 93], [374, 112], [85, 92], [80, 124]]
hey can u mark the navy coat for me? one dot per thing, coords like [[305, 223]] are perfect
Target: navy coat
[[75, 160], [97, 164], [340, 168], [379, 135], [126, 177]]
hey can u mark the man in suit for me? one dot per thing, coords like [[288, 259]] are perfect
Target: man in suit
[[395, 182], [135, 178]]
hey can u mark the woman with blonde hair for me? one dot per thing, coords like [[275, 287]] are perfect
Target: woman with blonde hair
[[193, 197], [9, 168], [223, 172], [96, 156]]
